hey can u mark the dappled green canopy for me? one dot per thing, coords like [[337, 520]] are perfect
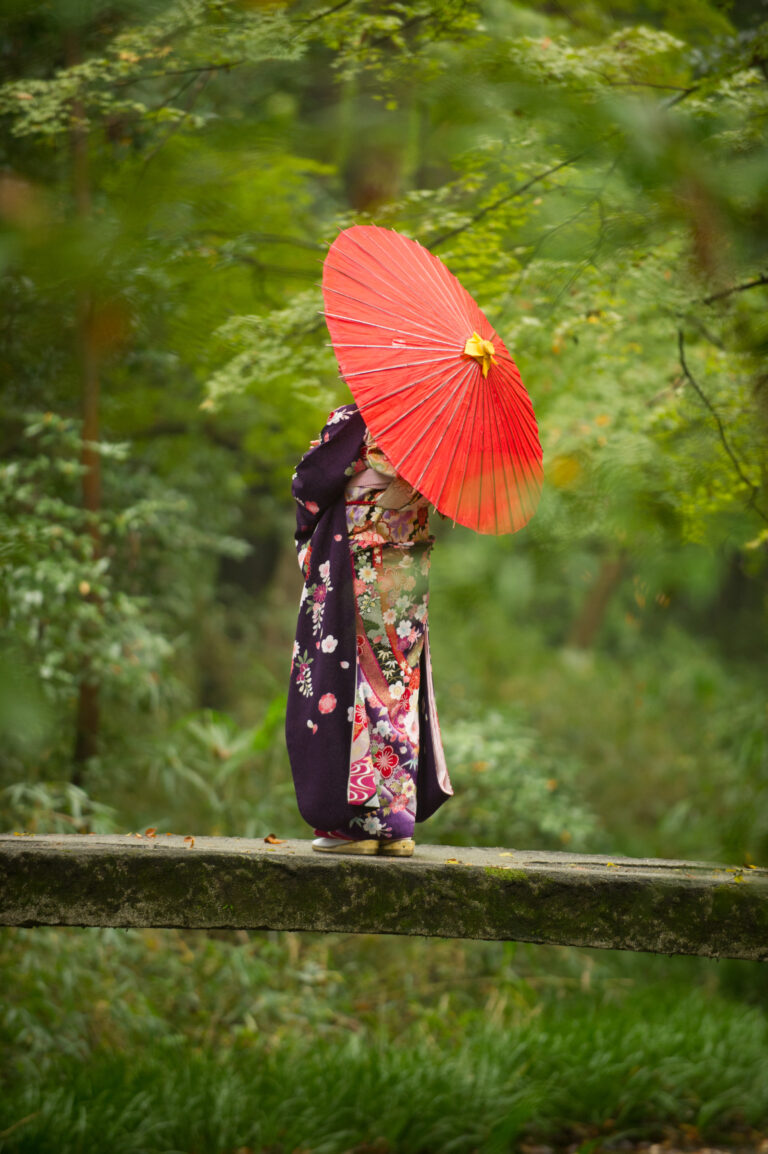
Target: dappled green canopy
[[171, 175]]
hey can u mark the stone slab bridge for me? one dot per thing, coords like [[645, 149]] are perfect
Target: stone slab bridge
[[669, 907]]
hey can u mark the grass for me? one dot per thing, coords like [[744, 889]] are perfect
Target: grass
[[181, 1043], [657, 1062]]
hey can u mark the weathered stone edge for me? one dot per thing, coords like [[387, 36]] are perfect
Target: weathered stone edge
[[694, 910]]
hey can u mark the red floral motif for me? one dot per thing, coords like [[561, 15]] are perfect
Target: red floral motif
[[385, 760], [320, 593], [327, 703], [312, 506]]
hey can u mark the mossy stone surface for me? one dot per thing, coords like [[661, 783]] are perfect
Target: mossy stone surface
[[559, 898]]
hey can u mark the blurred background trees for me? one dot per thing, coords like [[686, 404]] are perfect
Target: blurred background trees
[[596, 176], [170, 176]]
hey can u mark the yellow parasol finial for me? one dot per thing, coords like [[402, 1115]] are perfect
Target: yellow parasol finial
[[482, 351]]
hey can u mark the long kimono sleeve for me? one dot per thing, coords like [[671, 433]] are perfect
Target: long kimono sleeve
[[322, 686], [321, 477]]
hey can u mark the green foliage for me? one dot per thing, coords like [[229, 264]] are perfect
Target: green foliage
[[169, 178], [91, 1055], [214, 774], [512, 789], [72, 612], [54, 807]]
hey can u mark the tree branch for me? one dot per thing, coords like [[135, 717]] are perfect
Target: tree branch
[[521, 188], [198, 84], [737, 288], [267, 238], [327, 12], [754, 490], [193, 71]]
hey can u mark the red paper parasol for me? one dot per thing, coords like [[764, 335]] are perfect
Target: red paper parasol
[[432, 379]]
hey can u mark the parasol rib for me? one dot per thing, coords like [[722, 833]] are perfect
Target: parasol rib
[[388, 281], [403, 315], [427, 427], [457, 393], [416, 286]]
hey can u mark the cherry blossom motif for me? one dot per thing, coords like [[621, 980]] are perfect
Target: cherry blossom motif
[[325, 571], [312, 506], [337, 415], [385, 760], [327, 703], [328, 644], [304, 673]]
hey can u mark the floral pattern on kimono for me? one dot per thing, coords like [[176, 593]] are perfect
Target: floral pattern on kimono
[[361, 724]]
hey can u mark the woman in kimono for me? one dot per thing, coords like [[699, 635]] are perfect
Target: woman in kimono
[[361, 724]]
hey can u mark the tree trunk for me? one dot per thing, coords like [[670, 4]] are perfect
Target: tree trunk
[[587, 625]]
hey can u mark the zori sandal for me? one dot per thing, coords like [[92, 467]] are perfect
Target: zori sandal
[[402, 847], [343, 845]]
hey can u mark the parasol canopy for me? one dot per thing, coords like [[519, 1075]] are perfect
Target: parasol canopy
[[433, 380]]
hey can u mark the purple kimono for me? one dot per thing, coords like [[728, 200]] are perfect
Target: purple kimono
[[361, 724]]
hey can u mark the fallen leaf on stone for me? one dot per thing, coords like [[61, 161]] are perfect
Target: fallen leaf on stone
[[452, 861], [151, 832], [189, 841], [506, 855], [270, 839]]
